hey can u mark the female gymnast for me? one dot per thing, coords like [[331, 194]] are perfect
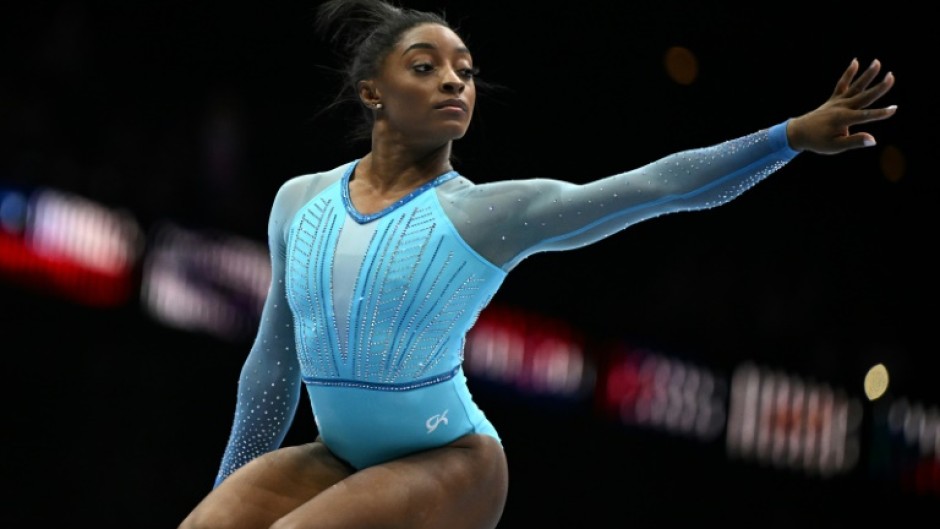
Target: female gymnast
[[380, 267]]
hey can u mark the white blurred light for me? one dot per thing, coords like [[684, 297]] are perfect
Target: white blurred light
[[656, 391], [789, 422], [74, 228], [202, 282]]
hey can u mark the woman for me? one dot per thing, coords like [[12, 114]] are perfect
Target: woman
[[382, 265]]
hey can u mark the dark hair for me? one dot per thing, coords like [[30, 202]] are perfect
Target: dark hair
[[365, 32]]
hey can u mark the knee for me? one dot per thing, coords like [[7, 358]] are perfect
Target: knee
[[288, 522], [192, 522], [201, 518]]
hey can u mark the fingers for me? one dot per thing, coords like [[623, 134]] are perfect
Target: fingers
[[874, 93], [826, 129], [876, 114], [865, 79], [859, 93], [846, 79], [858, 140]]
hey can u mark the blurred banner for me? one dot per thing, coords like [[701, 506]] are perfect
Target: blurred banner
[[648, 389], [205, 282], [216, 283], [789, 422], [68, 246], [905, 445], [531, 355]]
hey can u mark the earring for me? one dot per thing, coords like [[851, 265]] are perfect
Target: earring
[[378, 106]]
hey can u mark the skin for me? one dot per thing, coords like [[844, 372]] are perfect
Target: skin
[[462, 485], [825, 130]]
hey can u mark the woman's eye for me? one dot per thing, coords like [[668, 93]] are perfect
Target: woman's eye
[[470, 73], [423, 68]]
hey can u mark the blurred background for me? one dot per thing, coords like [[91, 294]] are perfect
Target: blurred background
[[770, 362]]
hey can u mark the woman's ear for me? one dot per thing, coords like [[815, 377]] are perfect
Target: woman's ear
[[368, 94]]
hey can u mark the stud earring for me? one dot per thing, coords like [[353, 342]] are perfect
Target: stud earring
[[378, 106]]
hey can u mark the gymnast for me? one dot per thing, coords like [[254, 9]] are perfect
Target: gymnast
[[381, 266]]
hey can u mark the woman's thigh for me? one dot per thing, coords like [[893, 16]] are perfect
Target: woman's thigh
[[269, 487], [459, 486]]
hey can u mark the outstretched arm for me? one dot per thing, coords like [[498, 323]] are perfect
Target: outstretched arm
[[825, 130], [508, 221]]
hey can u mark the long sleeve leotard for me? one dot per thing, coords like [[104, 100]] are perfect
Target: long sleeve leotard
[[369, 313]]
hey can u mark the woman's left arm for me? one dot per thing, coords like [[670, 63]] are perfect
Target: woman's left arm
[[538, 215]]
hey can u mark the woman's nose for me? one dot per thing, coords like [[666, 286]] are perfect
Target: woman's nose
[[455, 87], [453, 83]]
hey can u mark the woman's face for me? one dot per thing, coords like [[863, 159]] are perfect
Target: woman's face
[[426, 85]]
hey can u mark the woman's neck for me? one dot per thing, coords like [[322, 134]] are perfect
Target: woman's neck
[[392, 167]]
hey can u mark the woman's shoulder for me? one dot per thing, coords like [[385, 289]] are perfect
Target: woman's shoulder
[[464, 188], [298, 190], [314, 182]]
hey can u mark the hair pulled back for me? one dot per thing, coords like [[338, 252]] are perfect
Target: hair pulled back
[[364, 32]]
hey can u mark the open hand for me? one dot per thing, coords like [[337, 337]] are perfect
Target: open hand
[[825, 130]]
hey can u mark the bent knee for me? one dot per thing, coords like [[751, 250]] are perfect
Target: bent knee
[[207, 518], [483, 459], [485, 450]]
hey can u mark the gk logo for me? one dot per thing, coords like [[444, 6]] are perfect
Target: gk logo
[[434, 420]]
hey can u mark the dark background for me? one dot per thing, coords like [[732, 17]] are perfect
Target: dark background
[[114, 420]]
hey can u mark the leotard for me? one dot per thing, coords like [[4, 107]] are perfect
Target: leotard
[[369, 313]]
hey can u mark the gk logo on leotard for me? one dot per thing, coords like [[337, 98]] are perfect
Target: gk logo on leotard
[[435, 420]]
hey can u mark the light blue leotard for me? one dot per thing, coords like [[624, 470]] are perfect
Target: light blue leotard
[[369, 313]]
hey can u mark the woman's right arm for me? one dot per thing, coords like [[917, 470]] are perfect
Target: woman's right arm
[[269, 385]]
